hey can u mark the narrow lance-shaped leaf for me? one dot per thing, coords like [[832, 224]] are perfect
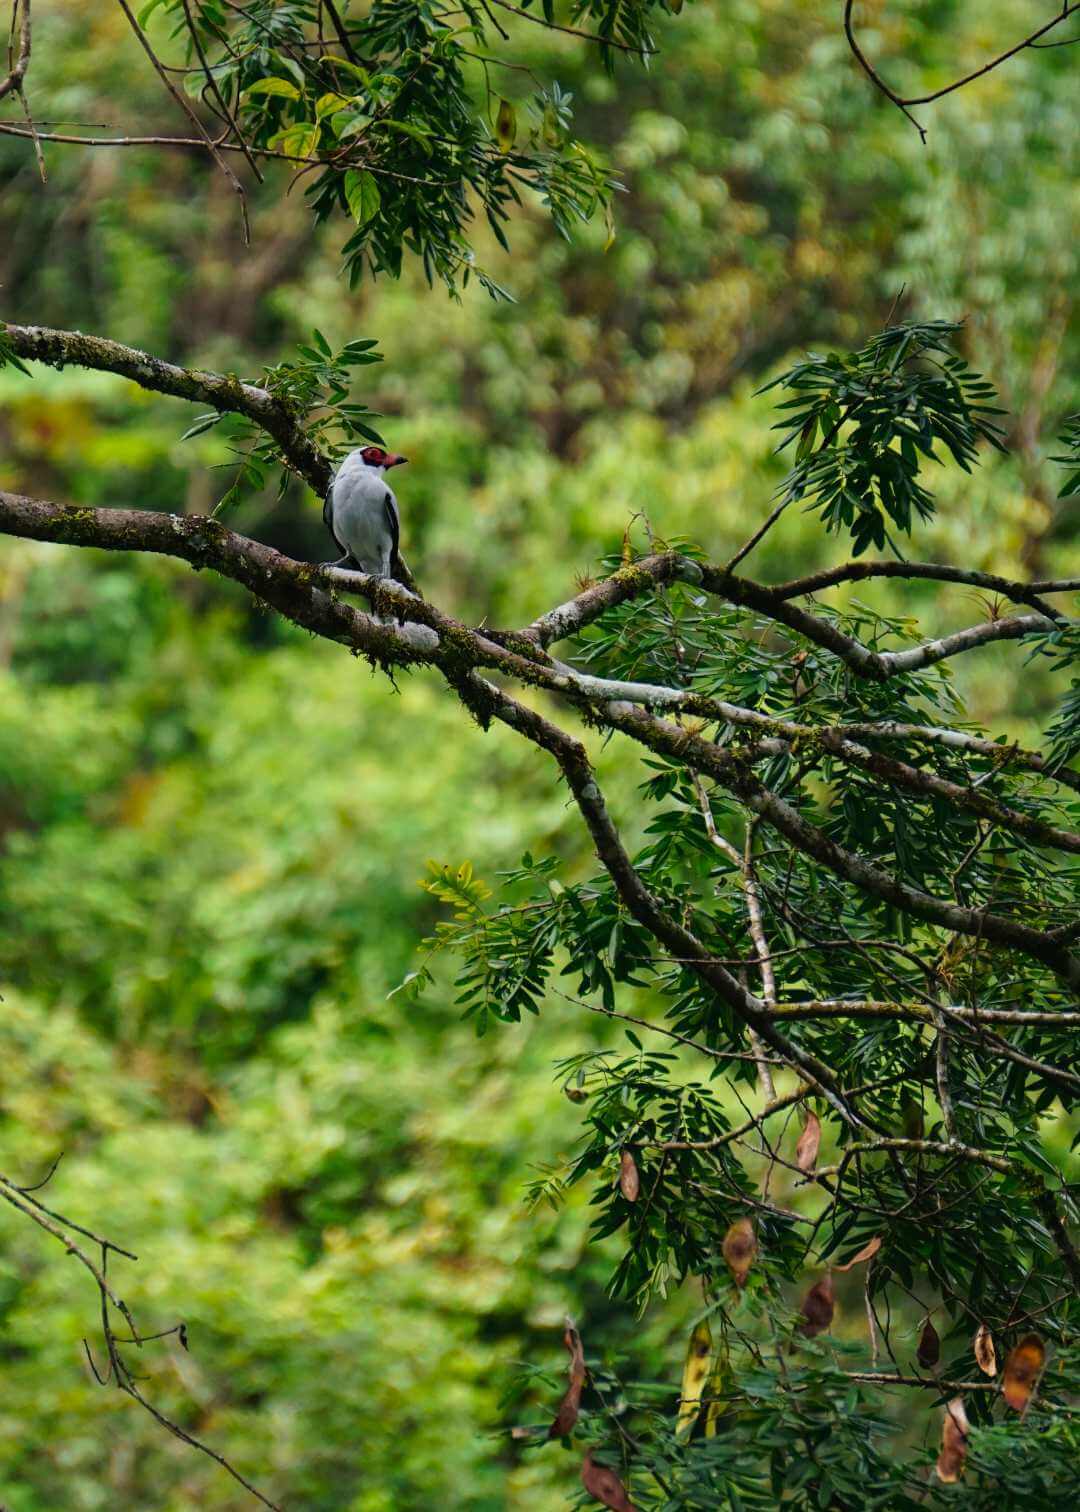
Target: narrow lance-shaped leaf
[[868, 1251], [570, 1405], [695, 1377]]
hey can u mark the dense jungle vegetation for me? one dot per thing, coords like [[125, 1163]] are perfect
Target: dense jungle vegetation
[[223, 840]]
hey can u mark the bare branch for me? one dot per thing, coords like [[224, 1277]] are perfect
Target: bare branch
[[116, 1372], [939, 572], [223, 392], [211, 146], [904, 102], [19, 47]]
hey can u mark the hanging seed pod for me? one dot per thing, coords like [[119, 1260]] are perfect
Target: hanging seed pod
[[929, 1350], [954, 1437], [806, 1151], [739, 1248], [629, 1179], [1022, 1370], [567, 1414], [818, 1307], [985, 1353], [506, 126], [605, 1485]]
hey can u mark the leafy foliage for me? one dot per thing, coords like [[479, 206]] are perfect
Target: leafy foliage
[[1071, 458], [863, 421], [392, 115], [698, 1193], [315, 387], [1062, 647]]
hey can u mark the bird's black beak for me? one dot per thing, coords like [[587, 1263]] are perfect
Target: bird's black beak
[[393, 460]]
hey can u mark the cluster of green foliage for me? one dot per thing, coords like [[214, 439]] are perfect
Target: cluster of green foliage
[[962, 1245], [392, 109], [211, 829]]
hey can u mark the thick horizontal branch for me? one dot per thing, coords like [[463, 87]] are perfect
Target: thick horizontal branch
[[294, 589], [220, 391], [939, 572], [627, 583], [775, 604], [229, 394], [980, 1022], [870, 1008]]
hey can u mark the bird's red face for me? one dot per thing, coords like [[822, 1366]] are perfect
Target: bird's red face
[[374, 456]]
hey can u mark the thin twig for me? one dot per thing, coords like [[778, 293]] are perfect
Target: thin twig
[[211, 146]]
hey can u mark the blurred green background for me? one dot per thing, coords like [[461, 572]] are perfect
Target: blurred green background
[[212, 828]]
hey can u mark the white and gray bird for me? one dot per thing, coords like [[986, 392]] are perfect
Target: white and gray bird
[[361, 513]]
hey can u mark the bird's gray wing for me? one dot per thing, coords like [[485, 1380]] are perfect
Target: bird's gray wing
[[328, 515], [393, 524]]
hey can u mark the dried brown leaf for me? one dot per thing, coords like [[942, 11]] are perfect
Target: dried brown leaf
[[818, 1307], [954, 1436], [605, 1485], [985, 1353], [567, 1414], [868, 1251], [929, 1351], [739, 1248], [806, 1151], [629, 1180], [1022, 1370]]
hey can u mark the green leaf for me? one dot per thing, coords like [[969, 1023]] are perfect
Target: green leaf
[[8, 357], [203, 423], [362, 195], [272, 86]]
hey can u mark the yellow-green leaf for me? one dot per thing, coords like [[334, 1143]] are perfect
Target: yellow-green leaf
[[506, 126], [299, 141], [326, 104], [280, 87], [696, 1373]]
